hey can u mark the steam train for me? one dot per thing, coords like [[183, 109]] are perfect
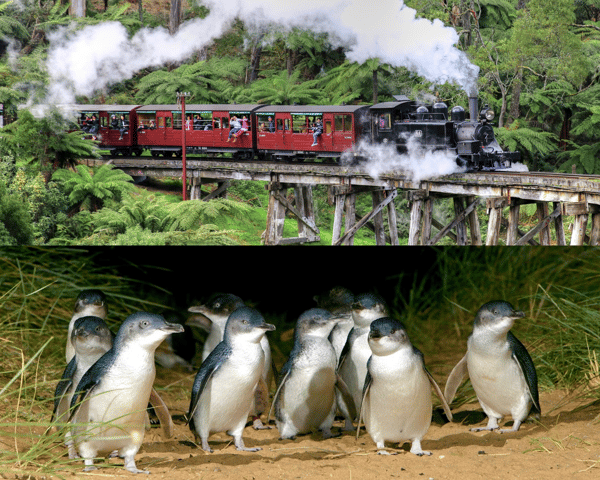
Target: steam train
[[288, 132]]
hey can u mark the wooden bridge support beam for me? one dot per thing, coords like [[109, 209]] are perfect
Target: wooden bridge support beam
[[196, 189], [303, 210], [422, 221], [345, 203]]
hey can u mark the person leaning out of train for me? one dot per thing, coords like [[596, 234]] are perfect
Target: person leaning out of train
[[271, 125], [244, 128], [236, 126], [317, 131], [93, 126], [114, 123], [188, 123], [123, 126]]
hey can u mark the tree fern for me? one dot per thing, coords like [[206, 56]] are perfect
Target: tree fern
[[527, 140]]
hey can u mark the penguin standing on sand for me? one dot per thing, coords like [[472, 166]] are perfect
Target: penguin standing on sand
[[217, 310], [91, 302], [353, 360], [305, 396], [396, 404], [91, 339], [224, 386], [109, 404], [500, 368]]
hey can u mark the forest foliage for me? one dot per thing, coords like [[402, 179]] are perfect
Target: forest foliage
[[539, 69]]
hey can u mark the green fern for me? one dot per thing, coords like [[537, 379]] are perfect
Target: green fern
[[533, 141]]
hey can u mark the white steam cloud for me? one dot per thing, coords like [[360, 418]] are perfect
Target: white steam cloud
[[417, 163], [88, 60]]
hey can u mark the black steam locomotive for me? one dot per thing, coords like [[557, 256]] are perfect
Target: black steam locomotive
[[436, 128]]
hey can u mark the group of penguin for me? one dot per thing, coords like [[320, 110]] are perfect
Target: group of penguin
[[349, 359]]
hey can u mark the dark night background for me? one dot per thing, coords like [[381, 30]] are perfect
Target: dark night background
[[273, 280]]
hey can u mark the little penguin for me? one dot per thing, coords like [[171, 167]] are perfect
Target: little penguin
[[226, 382], [352, 367], [109, 404], [90, 302], [338, 301], [305, 395], [217, 310], [500, 368], [91, 339], [396, 402]]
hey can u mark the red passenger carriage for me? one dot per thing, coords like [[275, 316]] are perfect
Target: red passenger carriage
[[207, 129], [287, 131], [115, 126]]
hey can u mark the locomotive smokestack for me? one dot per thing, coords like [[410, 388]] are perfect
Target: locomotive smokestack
[[473, 108]]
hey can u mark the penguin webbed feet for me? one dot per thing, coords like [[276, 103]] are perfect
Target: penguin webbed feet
[[258, 425]]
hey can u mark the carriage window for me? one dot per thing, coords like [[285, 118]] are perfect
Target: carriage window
[[283, 124], [161, 122], [103, 122], [384, 121], [343, 123], [168, 120], [117, 119], [265, 122], [147, 120], [202, 120], [225, 122], [328, 127], [177, 120]]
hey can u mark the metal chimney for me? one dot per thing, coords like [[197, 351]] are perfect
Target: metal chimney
[[473, 108]]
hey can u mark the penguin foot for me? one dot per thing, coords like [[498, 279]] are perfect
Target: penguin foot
[[484, 429], [113, 454], [90, 468], [421, 453], [385, 452], [248, 449], [258, 425]]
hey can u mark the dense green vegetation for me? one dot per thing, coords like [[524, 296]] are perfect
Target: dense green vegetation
[[539, 69]]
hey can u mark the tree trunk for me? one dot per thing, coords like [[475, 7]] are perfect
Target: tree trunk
[[175, 16], [77, 8], [375, 87], [255, 55], [140, 11], [465, 22], [515, 104]]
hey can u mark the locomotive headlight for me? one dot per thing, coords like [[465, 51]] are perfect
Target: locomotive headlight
[[489, 115]]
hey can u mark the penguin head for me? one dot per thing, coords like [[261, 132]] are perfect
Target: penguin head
[[316, 321], [246, 324], [387, 336], [91, 336], [368, 307], [337, 299], [146, 330], [92, 301], [217, 309], [498, 316]]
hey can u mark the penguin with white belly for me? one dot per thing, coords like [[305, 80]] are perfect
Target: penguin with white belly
[[396, 402]]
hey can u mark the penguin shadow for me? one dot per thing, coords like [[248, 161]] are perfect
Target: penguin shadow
[[477, 418]]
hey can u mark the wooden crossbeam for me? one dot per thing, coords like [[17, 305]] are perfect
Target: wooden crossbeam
[[349, 233], [459, 218], [306, 221], [542, 225]]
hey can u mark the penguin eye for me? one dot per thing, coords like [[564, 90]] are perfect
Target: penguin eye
[[495, 312], [144, 323], [245, 322], [217, 305], [392, 332]]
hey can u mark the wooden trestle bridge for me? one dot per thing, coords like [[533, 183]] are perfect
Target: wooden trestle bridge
[[556, 196]]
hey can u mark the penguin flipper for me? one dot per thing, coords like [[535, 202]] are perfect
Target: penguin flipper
[[286, 373], [455, 379], [366, 388], [345, 350], [523, 359], [346, 396], [438, 392], [162, 412], [65, 382], [208, 368]]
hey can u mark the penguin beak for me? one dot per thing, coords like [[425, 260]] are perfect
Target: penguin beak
[[375, 334], [267, 327], [517, 314], [173, 328]]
